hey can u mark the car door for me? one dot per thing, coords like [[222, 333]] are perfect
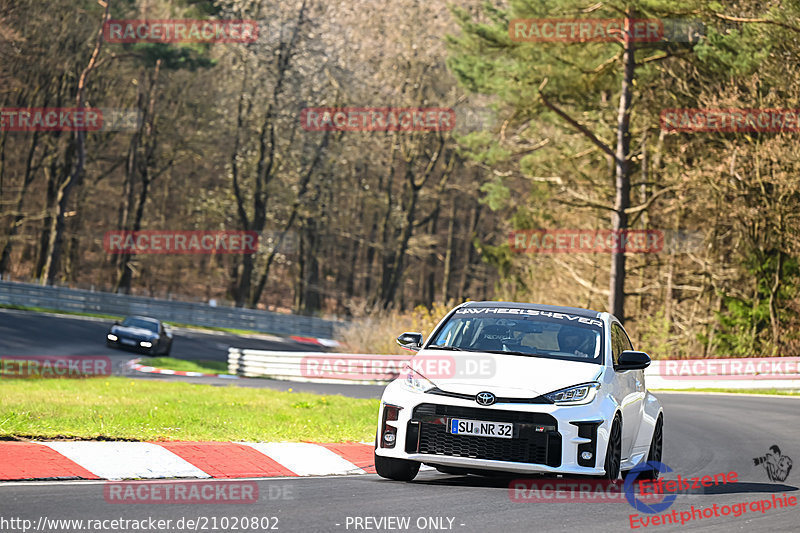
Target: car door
[[629, 396]]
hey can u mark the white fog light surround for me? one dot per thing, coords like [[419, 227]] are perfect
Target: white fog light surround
[[111, 337], [146, 344], [586, 456], [575, 395]]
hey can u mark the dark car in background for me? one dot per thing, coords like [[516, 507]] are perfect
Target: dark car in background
[[140, 333]]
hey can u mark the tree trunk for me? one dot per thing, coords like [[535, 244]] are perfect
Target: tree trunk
[[448, 254], [619, 219], [5, 255]]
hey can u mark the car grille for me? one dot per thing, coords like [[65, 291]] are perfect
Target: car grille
[[427, 433]]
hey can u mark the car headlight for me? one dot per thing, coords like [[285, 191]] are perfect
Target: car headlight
[[416, 382], [575, 395], [111, 337], [145, 344]]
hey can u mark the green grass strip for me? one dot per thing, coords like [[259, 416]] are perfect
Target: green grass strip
[[126, 409]]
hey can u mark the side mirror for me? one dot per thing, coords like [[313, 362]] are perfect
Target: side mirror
[[632, 360], [116, 322], [410, 341]]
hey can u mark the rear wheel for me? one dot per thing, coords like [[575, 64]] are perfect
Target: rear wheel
[[397, 469], [614, 451], [656, 448]]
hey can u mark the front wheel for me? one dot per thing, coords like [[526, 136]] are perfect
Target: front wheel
[[397, 469], [614, 451], [656, 448]]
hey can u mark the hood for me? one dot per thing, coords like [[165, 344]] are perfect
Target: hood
[[512, 376]]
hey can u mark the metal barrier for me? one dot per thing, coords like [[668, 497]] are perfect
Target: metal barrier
[[325, 367], [318, 367], [64, 299], [739, 373]]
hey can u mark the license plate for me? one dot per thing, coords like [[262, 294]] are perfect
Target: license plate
[[481, 428], [129, 342]]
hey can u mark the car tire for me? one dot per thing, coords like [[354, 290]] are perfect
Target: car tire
[[614, 451], [656, 449], [167, 350], [397, 469]]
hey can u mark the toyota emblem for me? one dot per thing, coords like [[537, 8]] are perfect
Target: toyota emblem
[[485, 398]]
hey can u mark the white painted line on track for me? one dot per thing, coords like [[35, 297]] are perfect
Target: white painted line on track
[[40, 483], [306, 459], [127, 460]]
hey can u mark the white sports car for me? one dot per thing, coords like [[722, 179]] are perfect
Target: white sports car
[[520, 388]]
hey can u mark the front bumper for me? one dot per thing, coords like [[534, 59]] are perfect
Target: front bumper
[[547, 438], [130, 343]]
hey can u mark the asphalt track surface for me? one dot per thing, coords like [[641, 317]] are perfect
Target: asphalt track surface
[[704, 435]]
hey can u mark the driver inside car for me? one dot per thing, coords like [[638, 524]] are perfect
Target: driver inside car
[[576, 341]]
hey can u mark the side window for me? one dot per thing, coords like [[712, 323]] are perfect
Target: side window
[[626, 341], [616, 342]]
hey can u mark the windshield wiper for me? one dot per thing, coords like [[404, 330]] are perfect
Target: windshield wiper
[[512, 352], [439, 347]]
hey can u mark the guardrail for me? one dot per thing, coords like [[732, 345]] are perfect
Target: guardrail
[[64, 299], [744, 373], [739, 373], [318, 367]]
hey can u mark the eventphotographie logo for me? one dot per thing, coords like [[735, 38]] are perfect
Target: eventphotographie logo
[[776, 464]]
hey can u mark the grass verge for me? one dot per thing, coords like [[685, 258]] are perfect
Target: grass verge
[[201, 365], [118, 408], [775, 392]]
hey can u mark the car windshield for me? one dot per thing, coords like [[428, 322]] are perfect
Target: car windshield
[[134, 322], [526, 332]]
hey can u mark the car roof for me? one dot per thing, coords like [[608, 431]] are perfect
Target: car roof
[[539, 307]]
